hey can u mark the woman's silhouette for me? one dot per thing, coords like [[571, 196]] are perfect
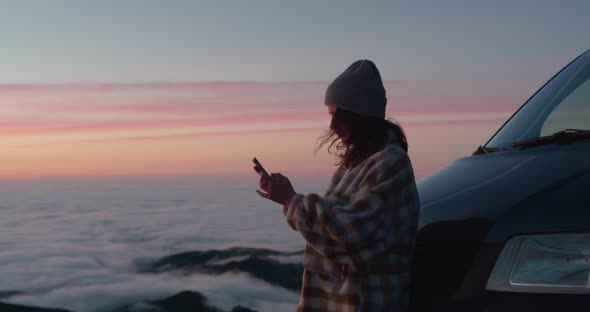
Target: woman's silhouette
[[360, 235]]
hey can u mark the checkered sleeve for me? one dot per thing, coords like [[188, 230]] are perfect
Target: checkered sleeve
[[354, 227]]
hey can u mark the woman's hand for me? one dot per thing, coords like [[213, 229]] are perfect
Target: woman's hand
[[278, 188]]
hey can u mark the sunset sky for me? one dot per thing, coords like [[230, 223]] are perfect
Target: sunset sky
[[144, 88]]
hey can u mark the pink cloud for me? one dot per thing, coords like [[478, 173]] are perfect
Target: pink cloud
[[104, 108], [195, 135], [168, 107], [148, 107], [453, 123], [492, 123], [44, 127], [171, 97], [434, 113], [425, 108]]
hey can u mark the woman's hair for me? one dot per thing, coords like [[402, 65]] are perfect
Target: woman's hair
[[356, 137]]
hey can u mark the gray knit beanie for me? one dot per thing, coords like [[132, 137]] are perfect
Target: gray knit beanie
[[358, 89]]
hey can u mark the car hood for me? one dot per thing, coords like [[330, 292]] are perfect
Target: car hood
[[494, 196]]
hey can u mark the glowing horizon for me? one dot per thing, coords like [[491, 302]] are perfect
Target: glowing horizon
[[85, 131]]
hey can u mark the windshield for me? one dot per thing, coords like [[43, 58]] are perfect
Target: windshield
[[563, 103]]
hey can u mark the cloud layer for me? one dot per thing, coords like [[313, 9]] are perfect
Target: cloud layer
[[79, 245]]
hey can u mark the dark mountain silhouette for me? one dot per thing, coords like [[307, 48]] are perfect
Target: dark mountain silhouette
[[255, 261], [5, 307], [181, 302]]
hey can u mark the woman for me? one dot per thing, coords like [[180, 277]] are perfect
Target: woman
[[360, 235]]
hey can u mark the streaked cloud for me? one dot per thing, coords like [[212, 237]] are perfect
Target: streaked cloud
[[58, 120]]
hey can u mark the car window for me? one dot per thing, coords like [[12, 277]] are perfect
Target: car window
[[562, 103], [572, 113]]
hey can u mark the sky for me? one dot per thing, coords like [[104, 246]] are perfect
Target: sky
[[142, 88]]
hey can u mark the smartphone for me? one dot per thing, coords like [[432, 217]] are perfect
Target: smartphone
[[258, 167]]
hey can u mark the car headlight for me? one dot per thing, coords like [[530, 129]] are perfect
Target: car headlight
[[543, 264]]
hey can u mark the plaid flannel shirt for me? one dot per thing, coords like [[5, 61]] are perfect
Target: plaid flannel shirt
[[360, 236]]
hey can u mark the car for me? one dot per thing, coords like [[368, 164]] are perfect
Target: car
[[508, 228]]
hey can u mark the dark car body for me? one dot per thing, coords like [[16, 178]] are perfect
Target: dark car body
[[522, 183]]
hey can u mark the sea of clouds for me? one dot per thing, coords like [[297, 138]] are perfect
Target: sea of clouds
[[79, 245]]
